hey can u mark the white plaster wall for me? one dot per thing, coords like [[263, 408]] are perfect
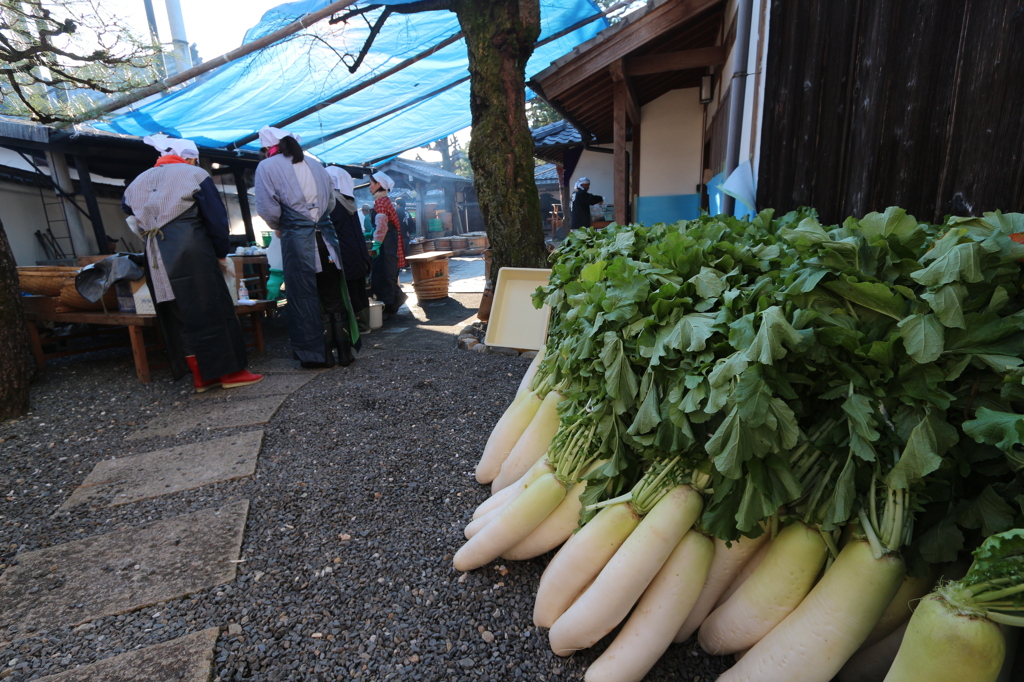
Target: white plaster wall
[[670, 144], [600, 168], [22, 214]]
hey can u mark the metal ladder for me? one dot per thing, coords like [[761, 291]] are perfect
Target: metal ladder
[[56, 217]]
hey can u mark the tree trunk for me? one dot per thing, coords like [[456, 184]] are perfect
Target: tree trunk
[[15, 356], [500, 35]]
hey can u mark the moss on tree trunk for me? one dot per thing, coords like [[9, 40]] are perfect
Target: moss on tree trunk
[[15, 356], [500, 35]]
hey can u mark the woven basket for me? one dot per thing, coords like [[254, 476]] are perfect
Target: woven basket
[[45, 280]]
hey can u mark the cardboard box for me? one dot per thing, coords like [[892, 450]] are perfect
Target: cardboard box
[[134, 297]]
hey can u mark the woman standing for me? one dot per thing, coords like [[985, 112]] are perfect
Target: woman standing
[[176, 209], [355, 259], [387, 242], [294, 195]]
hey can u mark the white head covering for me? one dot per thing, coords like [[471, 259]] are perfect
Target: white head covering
[[342, 180], [186, 149], [271, 136], [582, 181], [385, 181]]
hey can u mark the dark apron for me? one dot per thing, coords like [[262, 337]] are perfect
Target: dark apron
[[384, 273], [298, 247], [209, 325]]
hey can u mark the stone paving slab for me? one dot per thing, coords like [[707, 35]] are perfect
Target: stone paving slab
[[213, 416], [186, 659], [105, 575], [115, 482], [279, 383]]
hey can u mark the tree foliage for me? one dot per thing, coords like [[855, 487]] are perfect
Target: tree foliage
[[57, 55]]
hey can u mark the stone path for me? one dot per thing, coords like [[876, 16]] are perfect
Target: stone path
[[279, 383], [105, 575], [186, 659], [224, 416], [141, 477]]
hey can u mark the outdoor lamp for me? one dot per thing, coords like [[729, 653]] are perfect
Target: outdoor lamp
[[707, 85]]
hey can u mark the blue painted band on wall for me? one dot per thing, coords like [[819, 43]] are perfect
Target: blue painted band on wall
[[667, 209]]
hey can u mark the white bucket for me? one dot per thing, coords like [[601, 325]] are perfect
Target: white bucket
[[376, 314]]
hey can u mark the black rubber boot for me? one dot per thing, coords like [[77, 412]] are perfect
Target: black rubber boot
[[363, 318], [341, 339], [328, 348]]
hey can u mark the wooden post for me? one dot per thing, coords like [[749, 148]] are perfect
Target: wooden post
[[421, 221], [243, 202], [619, 143], [634, 185]]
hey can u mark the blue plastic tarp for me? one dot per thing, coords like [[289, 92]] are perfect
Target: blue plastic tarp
[[268, 86]]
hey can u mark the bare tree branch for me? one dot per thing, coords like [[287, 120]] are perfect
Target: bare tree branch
[[52, 52]]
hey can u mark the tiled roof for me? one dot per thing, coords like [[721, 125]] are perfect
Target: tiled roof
[[548, 173], [559, 133], [421, 170]]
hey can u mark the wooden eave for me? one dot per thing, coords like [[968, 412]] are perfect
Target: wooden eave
[[681, 31]]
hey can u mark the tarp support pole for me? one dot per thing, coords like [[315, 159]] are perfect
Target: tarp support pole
[[90, 202], [243, 202]]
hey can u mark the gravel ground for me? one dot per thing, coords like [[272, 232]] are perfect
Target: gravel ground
[[362, 490]]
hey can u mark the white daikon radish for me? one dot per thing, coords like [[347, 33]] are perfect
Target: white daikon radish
[[785, 576], [658, 615], [532, 445], [813, 642], [627, 574], [729, 560], [580, 560]]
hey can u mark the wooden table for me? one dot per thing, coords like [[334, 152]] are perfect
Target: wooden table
[[135, 325], [256, 284]]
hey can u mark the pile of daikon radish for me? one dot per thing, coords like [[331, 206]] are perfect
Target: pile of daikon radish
[[777, 435]]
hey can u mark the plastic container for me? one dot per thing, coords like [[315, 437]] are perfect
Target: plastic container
[[376, 314], [435, 225]]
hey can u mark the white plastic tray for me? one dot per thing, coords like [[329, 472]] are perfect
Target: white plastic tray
[[514, 322]]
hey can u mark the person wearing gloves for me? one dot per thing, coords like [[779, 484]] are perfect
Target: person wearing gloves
[[176, 209], [355, 259], [295, 196], [387, 246], [580, 203]]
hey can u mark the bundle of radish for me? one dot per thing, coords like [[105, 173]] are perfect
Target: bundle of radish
[[847, 398], [541, 491], [954, 634]]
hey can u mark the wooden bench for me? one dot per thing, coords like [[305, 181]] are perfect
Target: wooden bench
[[135, 325]]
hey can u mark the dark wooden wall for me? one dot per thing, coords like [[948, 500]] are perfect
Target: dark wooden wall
[[874, 103]]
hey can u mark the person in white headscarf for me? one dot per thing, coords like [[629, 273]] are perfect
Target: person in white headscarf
[[387, 245], [295, 196], [580, 203], [176, 208], [355, 259]]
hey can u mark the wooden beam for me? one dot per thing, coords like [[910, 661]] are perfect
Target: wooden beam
[[621, 162], [618, 75], [698, 58], [599, 57]]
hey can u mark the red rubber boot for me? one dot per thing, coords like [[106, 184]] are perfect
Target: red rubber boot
[[242, 377], [197, 378]]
